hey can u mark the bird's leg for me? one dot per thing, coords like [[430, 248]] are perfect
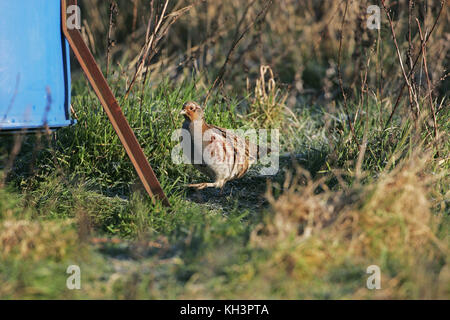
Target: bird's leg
[[200, 186]]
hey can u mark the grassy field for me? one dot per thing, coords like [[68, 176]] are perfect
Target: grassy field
[[344, 198]]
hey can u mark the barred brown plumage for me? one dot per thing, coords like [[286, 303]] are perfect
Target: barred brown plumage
[[216, 152]]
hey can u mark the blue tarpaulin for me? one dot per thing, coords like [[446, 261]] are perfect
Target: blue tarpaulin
[[34, 65]]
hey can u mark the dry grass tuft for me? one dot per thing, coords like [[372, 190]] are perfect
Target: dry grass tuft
[[388, 223], [268, 104], [397, 210], [300, 211], [25, 239]]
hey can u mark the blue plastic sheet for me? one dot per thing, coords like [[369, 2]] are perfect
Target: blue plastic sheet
[[34, 65]]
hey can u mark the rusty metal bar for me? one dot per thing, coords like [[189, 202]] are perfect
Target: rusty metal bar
[[112, 108]]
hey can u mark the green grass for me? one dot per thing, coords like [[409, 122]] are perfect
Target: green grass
[[81, 186]]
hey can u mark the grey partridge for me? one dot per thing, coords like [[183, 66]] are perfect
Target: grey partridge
[[216, 152]]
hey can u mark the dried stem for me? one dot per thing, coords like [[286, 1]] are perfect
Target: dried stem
[[112, 12], [147, 35], [411, 91], [341, 84], [135, 11], [410, 51], [13, 98], [163, 24], [148, 46], [414, 65], [424, 56], [238, 37]]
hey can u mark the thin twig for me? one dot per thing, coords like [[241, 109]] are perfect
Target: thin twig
[[146, 49], [414, 65], [341, 83], [135, 11], [112, 12], [164, 22], [147, 35], [410, 51], [13, 98], [411, 91], [424, 56], [236, 41]]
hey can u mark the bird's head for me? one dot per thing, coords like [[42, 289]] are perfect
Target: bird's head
[[192, 111]]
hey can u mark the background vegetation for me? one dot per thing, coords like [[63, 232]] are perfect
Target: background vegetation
[[364, 165]]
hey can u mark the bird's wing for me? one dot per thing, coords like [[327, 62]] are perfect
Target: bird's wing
[[242, 145]]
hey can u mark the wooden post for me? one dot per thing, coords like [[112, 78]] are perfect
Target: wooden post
[[112, 108]]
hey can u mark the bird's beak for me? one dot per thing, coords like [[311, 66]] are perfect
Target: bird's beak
[[183, 112]]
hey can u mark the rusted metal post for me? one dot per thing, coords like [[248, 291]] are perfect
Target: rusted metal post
[[111, 107]]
